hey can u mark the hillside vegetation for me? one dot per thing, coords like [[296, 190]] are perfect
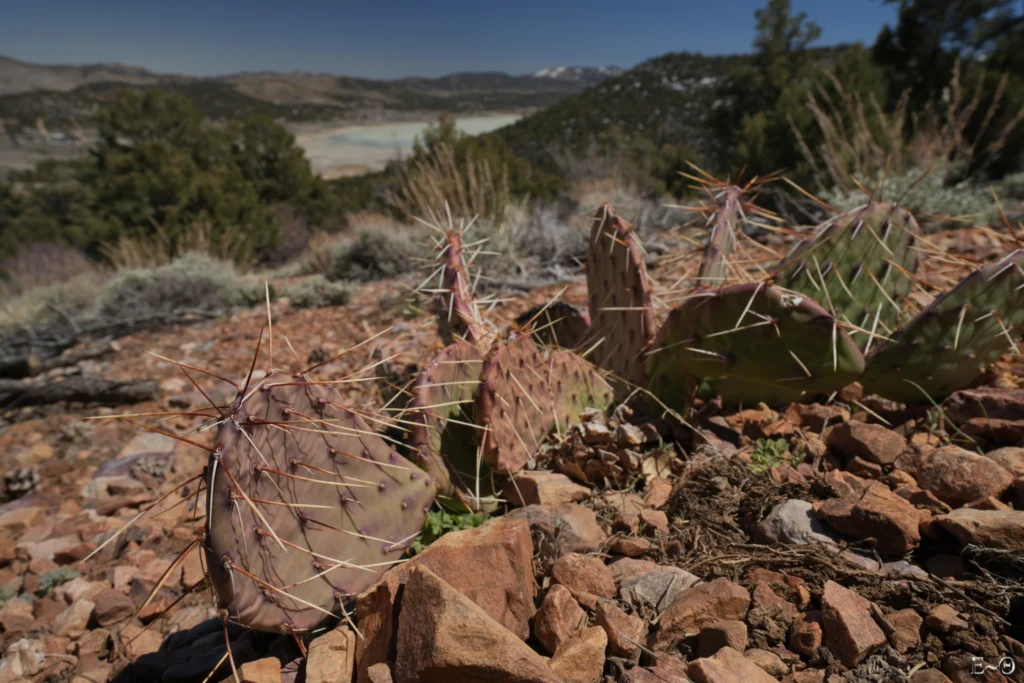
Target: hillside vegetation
[[68, 96], [837, 121]]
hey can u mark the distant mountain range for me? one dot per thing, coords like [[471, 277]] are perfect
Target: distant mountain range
[[587, 74], [69, 94]]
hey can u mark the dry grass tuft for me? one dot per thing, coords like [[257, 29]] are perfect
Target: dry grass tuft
[[42, 264], [159, 249], [862, 141], [437, 183]]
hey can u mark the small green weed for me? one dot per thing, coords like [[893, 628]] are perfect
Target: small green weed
[[440, 522], [769, 453], [55, 577], [7, 593]]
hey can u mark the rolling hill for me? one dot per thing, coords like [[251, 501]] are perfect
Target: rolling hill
[[67, 95], [667, 100]]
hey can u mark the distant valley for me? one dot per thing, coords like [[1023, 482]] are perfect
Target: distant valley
[[66, 96]]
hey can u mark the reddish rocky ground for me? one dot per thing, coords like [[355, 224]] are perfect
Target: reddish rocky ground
[[638, 550]]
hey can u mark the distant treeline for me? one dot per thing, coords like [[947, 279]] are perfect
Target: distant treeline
[[942, 88]]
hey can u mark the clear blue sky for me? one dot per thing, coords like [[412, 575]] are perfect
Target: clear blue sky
[[394, 38]]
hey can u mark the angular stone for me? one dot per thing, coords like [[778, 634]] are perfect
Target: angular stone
[[945, 619], [113, 606], [331, 657], [806, 676], [793, 522], [907, 625], [700, 606], [627, 567], [266, 670], [957, 476], [769, 662], [583, 575], [655, 519], [626, 632], [816, 416], [95, 641], [806, 635], [655, 590], [793, 587], [505, 590], [558, 618], [573, 527], [850, 631], [986, 403], [1010, 458], [877, 514], [767, 604], [727, 666], [929, 676], [443, 635], [379, 673], [725, 633], [1003, 529], [629, 546], [996, 431], [16, 615], [543, 488], [658, 492], [580, 659], [75, 619], [872, 442]]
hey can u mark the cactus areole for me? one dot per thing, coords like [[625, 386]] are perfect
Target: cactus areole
[[306, 506]]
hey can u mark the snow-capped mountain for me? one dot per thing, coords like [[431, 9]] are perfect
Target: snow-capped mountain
[[590, 74]]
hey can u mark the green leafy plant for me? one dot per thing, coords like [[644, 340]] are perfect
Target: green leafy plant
[[440, 522], [317, 292], [56, 577], [769, 453]]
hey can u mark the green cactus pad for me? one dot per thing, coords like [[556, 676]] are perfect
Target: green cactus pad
[[863, 257], [723, 223], [766, 344], [575, 386], [306, 505], [619, 297], [557, 324], [442, 435], [949, 344]]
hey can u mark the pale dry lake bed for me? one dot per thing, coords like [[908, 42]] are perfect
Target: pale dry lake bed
[[356, 149]]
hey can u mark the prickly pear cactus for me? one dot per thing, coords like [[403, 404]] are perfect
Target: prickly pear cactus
[[765, 344], [306, 506], [525, 393], [723, 222], [557, 324], [619, 297], [443, 435], [575, 386], [513, 403], [949, 344], [454, 305], [857, 265]]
